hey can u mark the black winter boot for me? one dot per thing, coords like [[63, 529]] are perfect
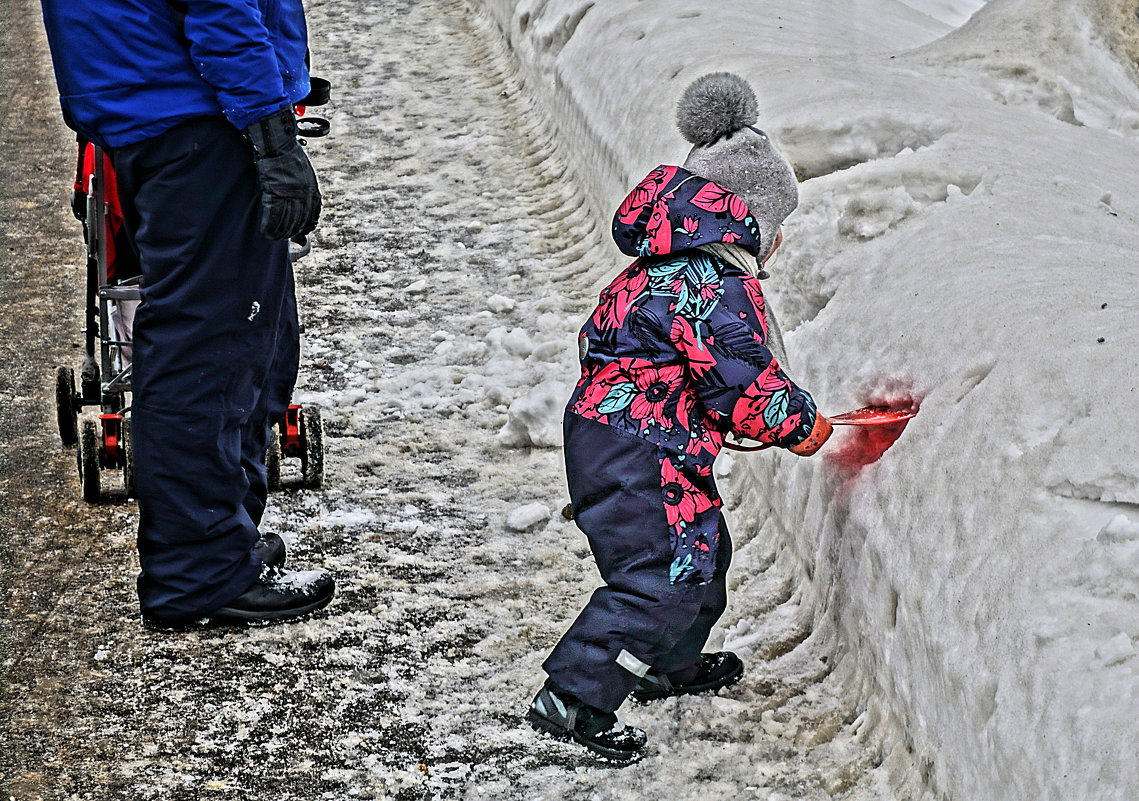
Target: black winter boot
[[566, 718], [271, 549], [277, 596], [710, 673]]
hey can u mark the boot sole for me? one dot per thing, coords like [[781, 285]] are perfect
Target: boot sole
[[238, 618], [644, 696], [565, 735]]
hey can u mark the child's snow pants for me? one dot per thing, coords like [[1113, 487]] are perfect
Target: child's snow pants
[[215, 359], [638, 620]]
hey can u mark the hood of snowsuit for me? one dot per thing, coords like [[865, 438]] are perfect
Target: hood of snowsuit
[[673, 210]]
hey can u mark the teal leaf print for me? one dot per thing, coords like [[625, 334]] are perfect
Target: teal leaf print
[[618, 398], [682, 298], [809, 404], [776, 410], [680, 569], [666, 270]]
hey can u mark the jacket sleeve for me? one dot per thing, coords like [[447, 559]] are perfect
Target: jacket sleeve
[[735, 375], [232, 48]]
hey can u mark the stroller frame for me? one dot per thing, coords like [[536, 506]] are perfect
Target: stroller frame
[[103, 442]]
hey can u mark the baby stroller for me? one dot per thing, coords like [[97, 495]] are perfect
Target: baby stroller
[[103, 443]]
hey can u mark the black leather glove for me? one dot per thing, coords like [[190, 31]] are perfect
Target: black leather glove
[[290, 197]]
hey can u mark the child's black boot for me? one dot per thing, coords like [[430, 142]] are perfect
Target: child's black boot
[[710, 673], [566, 718]]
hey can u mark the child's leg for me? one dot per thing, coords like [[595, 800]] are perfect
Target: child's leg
[[687, 651], [623, 631], [639, 616]]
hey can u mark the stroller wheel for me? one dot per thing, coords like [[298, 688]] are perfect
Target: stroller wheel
[[88, 457], [65, 414], [89, 382], [312, 457], [273, 461]]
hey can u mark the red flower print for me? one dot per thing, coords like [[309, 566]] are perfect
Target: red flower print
[[705, 440], [737, 208], [747, 415], [658, 230], [730, 237], [789, 424], [646, 192], [770, 381], [682, 501], [685, 405], [711, 197], [599, 386], [691, 225], [654, 388], [755, 295], [619, 297], [699, 356], [715, 198]]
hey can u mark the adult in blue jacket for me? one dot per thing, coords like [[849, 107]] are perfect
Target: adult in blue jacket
[[193, 100]]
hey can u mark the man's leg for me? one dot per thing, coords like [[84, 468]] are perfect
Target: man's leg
[[271, 407], [203, 352]]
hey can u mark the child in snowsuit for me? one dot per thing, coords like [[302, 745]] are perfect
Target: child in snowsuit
[[673, 360]]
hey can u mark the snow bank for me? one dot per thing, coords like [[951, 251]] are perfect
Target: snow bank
[[964, 241]]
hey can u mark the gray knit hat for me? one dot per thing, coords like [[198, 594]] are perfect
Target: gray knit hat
[[717, 113]]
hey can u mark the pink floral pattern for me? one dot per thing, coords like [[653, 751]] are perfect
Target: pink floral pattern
[[674, 355]]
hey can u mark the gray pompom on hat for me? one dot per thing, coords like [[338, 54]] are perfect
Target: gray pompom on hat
[[717, 114]]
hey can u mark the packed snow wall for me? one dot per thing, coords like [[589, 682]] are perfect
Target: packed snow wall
[[963, 242]]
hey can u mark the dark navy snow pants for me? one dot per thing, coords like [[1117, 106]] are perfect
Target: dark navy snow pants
[[638, 620], [215, 359]]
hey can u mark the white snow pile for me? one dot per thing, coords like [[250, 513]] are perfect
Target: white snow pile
[[965, 240]]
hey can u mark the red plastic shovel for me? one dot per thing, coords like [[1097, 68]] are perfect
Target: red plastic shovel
[[872, 416], [866, 416]]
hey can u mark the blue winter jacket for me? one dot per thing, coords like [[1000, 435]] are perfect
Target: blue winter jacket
[[128, 70]]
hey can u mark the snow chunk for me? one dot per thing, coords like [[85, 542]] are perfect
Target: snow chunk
[[1116, 650], [303, 581], [536, 417], [527, 517], [500, 304], [518, 343], [1120, 529], [723, 465]]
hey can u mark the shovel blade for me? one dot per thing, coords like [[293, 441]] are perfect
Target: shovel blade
[[872, 416]]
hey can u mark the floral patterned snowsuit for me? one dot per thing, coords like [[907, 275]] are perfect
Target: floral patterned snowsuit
[[673, 359]]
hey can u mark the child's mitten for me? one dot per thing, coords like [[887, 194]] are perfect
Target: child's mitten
[[819, 434]]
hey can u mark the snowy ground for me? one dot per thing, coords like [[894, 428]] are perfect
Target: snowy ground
[[442, 307]]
